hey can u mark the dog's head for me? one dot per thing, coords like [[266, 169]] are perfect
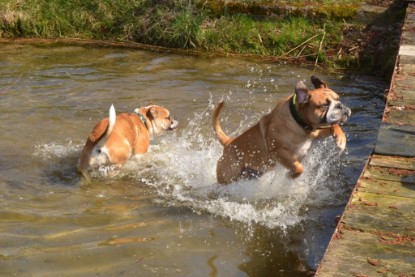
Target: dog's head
[[159, 119], [320, 106]]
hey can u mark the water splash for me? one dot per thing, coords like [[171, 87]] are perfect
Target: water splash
[[55, 149], [181, 168]]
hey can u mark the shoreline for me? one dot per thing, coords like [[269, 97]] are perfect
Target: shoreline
[[336, 36]]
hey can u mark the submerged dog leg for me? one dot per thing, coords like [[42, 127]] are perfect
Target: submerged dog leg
[[249, 173]]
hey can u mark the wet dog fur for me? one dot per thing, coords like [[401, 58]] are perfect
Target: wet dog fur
[[283, 136], [117, 138]]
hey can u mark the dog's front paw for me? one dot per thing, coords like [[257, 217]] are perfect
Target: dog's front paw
[[296, 170], [339, 136], [341, 141]]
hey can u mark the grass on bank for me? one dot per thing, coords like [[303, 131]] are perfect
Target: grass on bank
[[312, 31], [180, 24]]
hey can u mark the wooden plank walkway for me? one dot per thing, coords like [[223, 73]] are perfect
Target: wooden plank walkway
[[376, 233]]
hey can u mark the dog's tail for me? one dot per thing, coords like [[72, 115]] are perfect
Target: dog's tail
[[223, 138], [100, 134], [111, 123]]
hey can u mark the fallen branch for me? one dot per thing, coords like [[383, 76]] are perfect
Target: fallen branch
[[298, 46], [301, 51], [321, 44]]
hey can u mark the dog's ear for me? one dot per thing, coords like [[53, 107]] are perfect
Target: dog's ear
[[301, 92], [152, 112], [317, 82]]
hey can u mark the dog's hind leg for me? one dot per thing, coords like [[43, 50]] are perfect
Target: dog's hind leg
[[227, 171]]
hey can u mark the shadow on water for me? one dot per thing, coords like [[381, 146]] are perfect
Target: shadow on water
[[164, 213]]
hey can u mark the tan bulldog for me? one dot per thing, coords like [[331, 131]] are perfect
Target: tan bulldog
[[116, 139], [284, 135]]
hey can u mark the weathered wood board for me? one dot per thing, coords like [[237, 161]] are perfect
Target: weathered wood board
[[399, 115], [386, 187], [366, 254], [393, 161], [396, 140], [381, 213], [376, 233]]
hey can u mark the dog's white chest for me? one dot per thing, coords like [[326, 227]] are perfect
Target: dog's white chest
[[303, 148]]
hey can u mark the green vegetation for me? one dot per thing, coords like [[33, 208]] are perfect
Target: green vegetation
[[325, 32]]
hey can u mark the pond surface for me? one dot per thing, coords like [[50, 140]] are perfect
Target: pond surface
[[164, 214]]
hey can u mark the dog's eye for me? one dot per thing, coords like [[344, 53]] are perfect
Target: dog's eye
[[324, 107]]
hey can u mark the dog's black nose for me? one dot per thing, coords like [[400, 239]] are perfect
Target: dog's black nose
[[347, 111]]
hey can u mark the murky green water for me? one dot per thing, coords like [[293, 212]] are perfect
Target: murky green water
[[164, 215]]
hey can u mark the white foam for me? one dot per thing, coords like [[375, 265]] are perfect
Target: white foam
[[55, 149], [181, 168]]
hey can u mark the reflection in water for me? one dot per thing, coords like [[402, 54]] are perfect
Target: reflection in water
[[211, 263], [163, 214]]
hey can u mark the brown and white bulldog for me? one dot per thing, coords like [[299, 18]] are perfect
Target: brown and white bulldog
[[284, 135], [116, 139]]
